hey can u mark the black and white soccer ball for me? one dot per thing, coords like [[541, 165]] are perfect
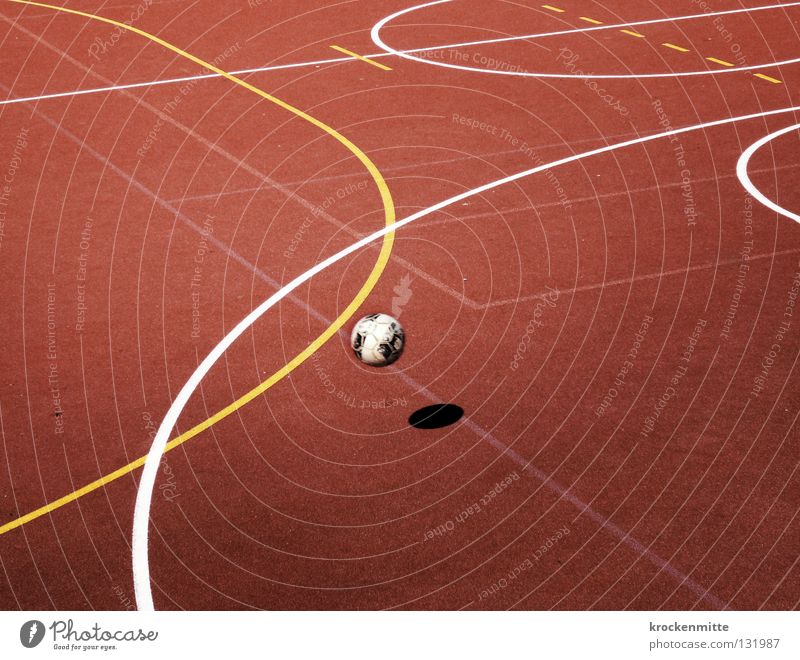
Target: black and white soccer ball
[[378, 340]]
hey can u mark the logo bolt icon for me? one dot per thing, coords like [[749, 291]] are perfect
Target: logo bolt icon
[[31, 634]]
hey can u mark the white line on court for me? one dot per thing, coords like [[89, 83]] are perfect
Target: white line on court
[[389, 52], [170, 81], [141, 516], [744, 176], [376, 38]]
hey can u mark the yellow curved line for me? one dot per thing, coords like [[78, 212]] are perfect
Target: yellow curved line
[[366, 289]]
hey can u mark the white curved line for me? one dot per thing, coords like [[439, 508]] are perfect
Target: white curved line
[[744, 176], [141, 516], [334, 60], [376, 38]]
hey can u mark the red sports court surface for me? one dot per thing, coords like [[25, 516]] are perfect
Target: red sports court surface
[[618, 322]]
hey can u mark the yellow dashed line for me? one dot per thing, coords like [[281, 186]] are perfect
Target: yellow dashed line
[[666, 44], [722, 62], [362, 58], [768, 78]]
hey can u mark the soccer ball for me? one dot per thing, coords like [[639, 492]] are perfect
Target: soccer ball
[[378, 340]]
